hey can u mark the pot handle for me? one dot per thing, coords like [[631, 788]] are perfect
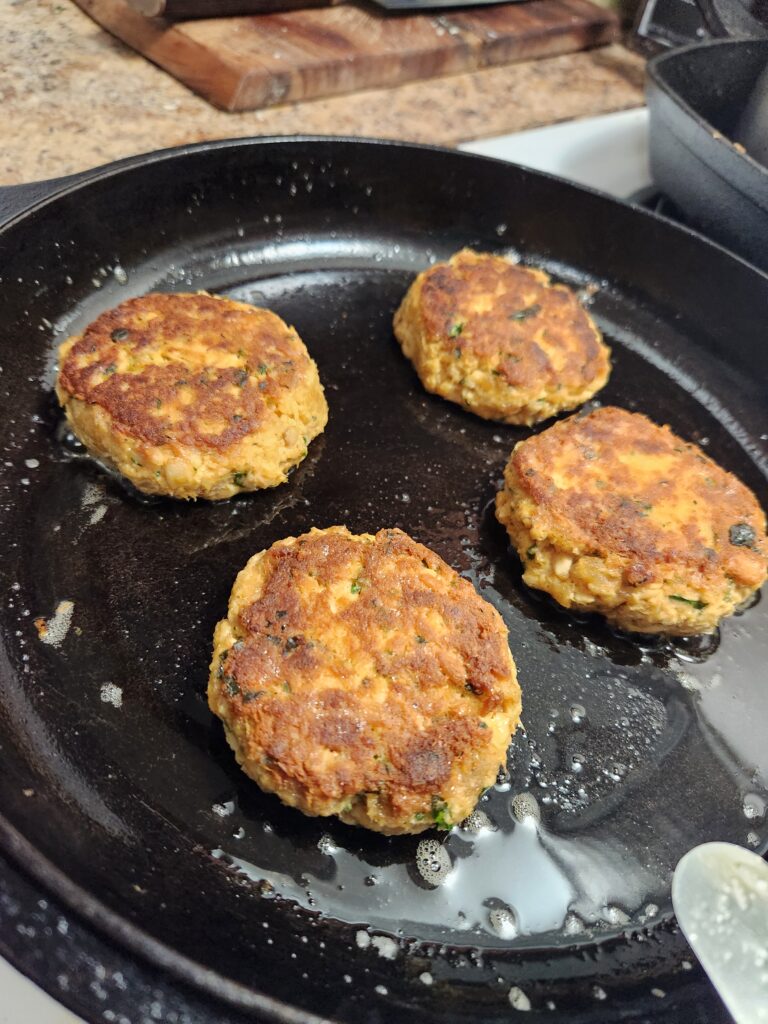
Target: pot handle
[[17, 199]]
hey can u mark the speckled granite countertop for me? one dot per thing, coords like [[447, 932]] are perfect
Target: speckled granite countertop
[[73, 97]]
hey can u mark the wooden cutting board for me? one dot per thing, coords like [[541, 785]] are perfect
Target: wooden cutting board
[[246, 63]]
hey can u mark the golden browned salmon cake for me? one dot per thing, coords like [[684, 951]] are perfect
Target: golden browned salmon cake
[[360, 676], [613, 514], [191, 395], [501, 339]]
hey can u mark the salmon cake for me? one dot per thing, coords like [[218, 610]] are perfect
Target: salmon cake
[[360, 676], [192, 396], [501, 339], [611, 513]]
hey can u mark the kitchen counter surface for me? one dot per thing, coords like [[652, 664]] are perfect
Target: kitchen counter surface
[[74, 97]]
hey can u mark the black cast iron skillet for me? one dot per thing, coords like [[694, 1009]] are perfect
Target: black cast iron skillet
[[180, 886], [696, 98]]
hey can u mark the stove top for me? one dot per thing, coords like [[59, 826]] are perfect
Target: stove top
[[609, 153]]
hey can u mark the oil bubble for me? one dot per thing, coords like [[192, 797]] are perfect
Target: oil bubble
[[615, 915], [476, 822], [753, 806], [525, 808], [433, 861], [615, 771], [503, 920], [696, 648], [578, 713], [573, 925], [326, 845]]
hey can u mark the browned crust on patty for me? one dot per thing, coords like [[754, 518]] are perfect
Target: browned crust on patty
[[500, 340], [173, 399], [589, 474], [366, 668], [508, 331]]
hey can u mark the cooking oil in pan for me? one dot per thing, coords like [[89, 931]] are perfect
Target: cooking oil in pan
[[500, 875], [512, 880], [633, 749], [459, 883], [574, 842]]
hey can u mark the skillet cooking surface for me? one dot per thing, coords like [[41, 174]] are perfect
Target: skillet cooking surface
[[635, 750]]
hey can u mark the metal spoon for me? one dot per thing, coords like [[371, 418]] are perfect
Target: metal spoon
[[720, 896]]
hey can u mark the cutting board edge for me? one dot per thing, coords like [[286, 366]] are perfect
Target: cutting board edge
[[238, 86]]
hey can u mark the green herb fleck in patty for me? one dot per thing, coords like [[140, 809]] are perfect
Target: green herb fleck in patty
[[698, 605]]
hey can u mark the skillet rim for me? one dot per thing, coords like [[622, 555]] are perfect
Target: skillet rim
[[70, 184]]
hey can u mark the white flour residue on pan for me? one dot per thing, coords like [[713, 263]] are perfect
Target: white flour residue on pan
[[385, 946], [518, 999], [112, 694], [54, 630], [97, 515], [92, 500]]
